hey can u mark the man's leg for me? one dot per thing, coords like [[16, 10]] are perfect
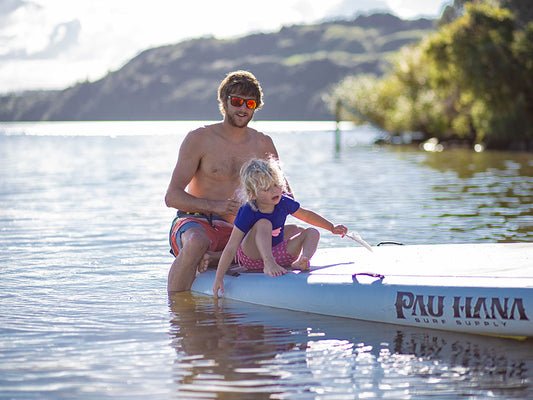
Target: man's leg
[[195, 243]]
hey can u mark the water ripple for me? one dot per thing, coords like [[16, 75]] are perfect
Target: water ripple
[[84, 258]]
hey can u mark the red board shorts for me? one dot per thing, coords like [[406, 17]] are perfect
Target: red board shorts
[[280, 253], [217, 229]]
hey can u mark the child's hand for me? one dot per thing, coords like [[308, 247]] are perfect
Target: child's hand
[[339, 230], [216, 286]]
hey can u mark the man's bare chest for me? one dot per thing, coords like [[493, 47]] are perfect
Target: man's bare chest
[[225, 163]]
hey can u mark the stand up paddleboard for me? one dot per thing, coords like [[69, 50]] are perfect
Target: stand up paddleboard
[[472, 288]]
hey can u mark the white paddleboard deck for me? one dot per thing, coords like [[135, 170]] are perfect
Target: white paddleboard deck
[[474, 288]]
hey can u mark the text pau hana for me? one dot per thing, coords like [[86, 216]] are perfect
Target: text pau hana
[[478, 308]]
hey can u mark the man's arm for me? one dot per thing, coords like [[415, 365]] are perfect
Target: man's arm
[[186, 166]]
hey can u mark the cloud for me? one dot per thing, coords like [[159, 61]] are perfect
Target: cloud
[[349, 8], [411, 9], [7, 7], [63, 37], [55, 43]]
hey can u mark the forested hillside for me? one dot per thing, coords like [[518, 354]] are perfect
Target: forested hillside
[[296, 66]]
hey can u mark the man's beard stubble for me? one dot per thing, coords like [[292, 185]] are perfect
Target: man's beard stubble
[[233, 122]]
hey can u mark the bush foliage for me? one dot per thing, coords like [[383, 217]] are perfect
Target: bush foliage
[[472, 81]]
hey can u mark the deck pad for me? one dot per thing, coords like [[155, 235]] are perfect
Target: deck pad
[[499, 260]]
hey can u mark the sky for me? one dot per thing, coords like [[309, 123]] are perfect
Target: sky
[[53, 44]]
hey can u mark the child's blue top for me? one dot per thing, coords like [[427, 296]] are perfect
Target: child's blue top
[[247, 217]]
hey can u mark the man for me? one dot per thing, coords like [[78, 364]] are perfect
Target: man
[[205, 180]]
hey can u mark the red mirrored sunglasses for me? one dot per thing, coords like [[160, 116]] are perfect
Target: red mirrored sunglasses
[[237, 101]]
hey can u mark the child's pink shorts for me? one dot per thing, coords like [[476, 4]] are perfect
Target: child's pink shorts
[[280, 253]]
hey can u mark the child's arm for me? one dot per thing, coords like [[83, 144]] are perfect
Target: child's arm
[[313, 218], [226, 258]]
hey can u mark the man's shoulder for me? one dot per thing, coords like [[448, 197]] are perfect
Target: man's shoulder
[[204, 130], [199, 136], [260, 136], [255, 132]]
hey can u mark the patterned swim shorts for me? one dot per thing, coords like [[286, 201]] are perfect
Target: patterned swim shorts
[[218, 232], [280, 253]]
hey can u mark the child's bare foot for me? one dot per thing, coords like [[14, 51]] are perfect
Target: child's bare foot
[[302, 264], [273, 269]]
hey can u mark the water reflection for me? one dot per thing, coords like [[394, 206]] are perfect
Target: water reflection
[[221, 351], [472, 196], [232, 348], [465, 163], [490, 192]]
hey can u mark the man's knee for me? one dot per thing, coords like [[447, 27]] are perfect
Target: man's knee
[[195, 239]]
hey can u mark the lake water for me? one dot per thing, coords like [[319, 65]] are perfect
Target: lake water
[[84, 311]]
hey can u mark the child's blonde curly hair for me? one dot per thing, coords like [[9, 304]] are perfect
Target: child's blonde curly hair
[[258, 174]]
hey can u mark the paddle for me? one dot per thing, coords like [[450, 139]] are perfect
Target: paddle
[[357, 238]]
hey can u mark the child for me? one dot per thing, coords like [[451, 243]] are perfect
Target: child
[[257, 237]]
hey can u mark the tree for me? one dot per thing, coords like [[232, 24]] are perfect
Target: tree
[[472, 80]]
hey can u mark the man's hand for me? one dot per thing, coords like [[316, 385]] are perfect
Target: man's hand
[[226, 207]]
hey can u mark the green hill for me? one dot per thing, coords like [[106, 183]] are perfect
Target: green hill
[[179, 82]]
